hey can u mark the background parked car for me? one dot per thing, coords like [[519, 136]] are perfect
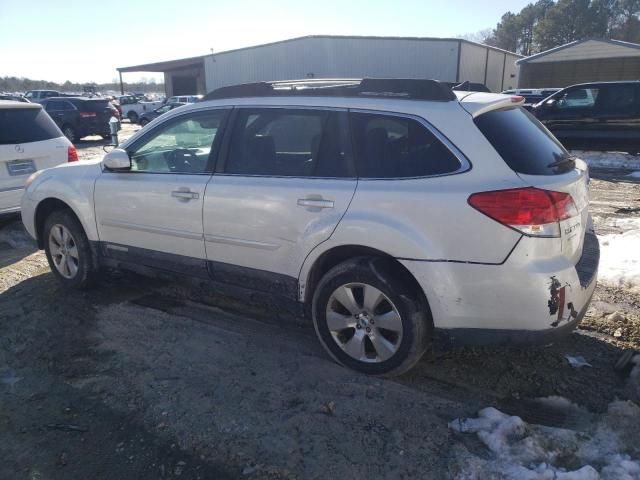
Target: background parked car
[[80, 117], [184, 99], [132, 108], [29, 141], [595, 115], [148, 116], [39, 95], [532, 95], [12, 97]]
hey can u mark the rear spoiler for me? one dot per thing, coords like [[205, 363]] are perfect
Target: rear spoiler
[[477, 103]]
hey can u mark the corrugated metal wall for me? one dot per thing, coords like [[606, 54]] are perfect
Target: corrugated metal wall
[[334, 57], [563, 74], [327, 57], [496, 69]]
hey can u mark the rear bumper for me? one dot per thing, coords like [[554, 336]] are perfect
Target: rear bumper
[[517, 302], [10, 199], [461, 337]]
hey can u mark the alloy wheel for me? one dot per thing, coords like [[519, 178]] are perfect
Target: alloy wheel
[[364, 322], [64, 251]]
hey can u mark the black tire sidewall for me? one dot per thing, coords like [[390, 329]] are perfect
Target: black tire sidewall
[[414, 334], [74, 134], [84, 277]]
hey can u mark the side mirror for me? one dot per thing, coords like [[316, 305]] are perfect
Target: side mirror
[[117, 159]]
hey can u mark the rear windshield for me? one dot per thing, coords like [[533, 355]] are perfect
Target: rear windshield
[[524, 143], [23, 125]]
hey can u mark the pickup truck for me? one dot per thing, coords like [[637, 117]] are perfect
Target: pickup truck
[[133, 109], [36, 96]]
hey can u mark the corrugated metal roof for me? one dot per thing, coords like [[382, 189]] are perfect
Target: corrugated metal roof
[[585, 49], [185, 62]]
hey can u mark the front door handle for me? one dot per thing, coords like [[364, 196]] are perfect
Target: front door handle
[[315, 203], [185, 195]]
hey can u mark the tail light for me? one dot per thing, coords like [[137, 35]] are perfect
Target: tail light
[[87, 114], [532, 211], [72, 154]]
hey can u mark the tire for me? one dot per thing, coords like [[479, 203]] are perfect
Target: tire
[[380, 351], [143, 122], [62, 229], [70, 133], [133, 117]]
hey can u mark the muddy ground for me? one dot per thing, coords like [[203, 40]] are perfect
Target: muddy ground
[[150, 379]]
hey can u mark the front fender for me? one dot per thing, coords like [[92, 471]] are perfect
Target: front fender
[[70, 184]]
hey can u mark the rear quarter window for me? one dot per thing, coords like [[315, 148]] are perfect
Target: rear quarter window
[[24, 125], [389, 146], [524, 144]]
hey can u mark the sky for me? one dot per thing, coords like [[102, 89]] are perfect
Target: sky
[[84, 41]]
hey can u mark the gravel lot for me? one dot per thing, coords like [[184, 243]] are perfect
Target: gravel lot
[[151, 379]]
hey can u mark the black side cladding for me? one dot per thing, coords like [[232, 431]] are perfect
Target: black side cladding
[[587, 266]]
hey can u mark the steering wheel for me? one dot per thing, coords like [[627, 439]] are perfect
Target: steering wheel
[[179, 160]]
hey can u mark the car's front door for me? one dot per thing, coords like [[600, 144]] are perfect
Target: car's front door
[[287, 181], [572, 117], [152, 213]]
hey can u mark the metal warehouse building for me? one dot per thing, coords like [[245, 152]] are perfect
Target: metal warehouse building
[[446, 59], [579, 62]]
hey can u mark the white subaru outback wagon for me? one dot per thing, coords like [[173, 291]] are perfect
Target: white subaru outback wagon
[[396, 213]]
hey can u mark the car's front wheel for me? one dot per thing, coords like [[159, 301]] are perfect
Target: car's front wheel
[[68, 250], [369, 319]]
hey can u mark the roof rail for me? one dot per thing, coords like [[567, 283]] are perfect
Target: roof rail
[[401, 88]]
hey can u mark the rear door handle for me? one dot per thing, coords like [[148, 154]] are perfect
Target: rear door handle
[[315, 203], [185, 194]]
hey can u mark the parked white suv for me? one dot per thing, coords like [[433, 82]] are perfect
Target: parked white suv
[[29, 141], [397, 213]]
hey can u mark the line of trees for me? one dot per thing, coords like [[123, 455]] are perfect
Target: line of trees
[[19, 84], [547, 24]]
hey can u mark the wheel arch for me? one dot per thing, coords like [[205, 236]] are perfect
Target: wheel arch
[[44, 209], [311, 276]]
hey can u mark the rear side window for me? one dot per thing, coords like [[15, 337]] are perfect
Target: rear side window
[[523, 142], [389, 146], [618, 99], [23, 125], [289, 143]]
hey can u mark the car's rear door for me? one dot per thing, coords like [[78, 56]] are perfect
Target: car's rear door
[[617, 112], [152, 214], [286, 183]]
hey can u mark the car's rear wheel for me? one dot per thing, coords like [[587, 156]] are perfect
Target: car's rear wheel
[[143, 122], [68, 250], [133, 117], [369, 319], [70, 133]]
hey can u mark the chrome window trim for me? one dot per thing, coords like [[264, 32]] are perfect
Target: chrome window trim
[[465, 164]]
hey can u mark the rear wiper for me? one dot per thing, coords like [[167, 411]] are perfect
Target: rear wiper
[[563, 161]]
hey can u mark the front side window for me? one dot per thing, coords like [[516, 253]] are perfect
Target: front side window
[[578, 98], [290, 143], [182, 145], [398, 147]]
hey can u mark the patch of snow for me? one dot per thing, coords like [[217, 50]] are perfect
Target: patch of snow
[[608, 449], [609, 159], [556, 402], [620, 256]]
